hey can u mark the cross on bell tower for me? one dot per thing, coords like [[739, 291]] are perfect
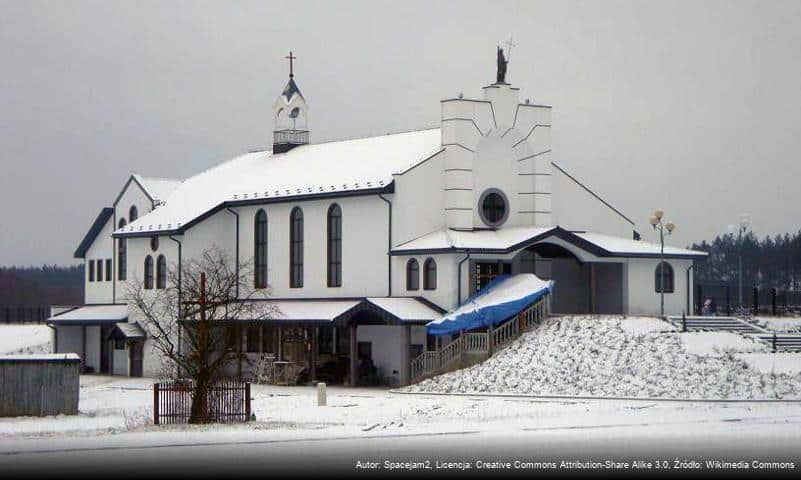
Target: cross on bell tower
[[291, 59]]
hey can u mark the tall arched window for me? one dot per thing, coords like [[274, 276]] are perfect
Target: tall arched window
[[122, 255], [430, 274], [663, 278], [334, 246], [148, 273], [260, 250], [133, 214], [412, 275], [296, 248], [161, 272]]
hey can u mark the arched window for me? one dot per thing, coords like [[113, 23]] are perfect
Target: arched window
[[122, 255], [161, 272], [260, 250], [334, 246], [430, 274], [148, 273], [412, 275], [133, 214], [663, 278], [296, 248]]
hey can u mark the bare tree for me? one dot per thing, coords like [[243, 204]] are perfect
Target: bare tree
[[186, 319]]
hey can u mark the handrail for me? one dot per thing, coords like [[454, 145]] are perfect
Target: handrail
[[433, 362]]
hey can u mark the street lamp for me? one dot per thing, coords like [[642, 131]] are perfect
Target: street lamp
[[742, 227], [658, 224]]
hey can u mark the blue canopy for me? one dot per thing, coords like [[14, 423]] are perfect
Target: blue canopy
[[501, 299]]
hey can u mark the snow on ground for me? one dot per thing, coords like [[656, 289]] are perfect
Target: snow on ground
[[598, 356], [780, 324], [643, 325], [25, 338], [720, 343], [788, 363], [118, 410]]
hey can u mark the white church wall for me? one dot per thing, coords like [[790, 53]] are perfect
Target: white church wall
[[643, 299], [120, 360], [93, 347], [446, 292], [418, 201], [102, 249], [69, 339], [133, 195], [574, 208]]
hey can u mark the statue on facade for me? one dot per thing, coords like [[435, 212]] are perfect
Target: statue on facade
[[501, 67]]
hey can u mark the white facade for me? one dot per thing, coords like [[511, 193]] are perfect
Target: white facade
[[416, 195]]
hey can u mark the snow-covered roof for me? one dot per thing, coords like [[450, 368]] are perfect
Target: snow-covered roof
[[129, 330], [157, 188], [629, 246], [447, 239], [334, 168], [92, 314], [406, 308], [42, 357], [310, 310], [507, 240]]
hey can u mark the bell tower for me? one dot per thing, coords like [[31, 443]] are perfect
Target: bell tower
[[291, 114]]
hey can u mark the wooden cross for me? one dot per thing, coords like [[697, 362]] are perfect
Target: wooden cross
[[291, 58]]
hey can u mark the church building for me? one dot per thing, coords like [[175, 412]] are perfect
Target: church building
[[361, 243]]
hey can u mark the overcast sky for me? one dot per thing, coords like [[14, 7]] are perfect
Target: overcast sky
[[692, 106]]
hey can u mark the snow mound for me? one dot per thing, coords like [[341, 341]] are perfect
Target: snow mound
[[643, 325], [598, 356], [720, 343], [770, 363], [24, 339]]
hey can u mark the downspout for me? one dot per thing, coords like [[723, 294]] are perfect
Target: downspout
[[180, 293], [389, 246], [237, 250], [114, 274], [459, 279], [688, 287]]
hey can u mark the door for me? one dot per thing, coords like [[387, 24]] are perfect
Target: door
[[135, 352], [105, 351], [485, 272]]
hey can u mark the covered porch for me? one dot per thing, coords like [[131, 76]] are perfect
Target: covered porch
[[357, 342]]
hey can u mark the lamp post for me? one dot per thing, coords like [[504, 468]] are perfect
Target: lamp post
[[661, 226], [742, 227]]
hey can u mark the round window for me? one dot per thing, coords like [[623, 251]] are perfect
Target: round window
[[154, 243], [493, 207]]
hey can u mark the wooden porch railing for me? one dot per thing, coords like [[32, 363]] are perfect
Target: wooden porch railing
[[433, 362]]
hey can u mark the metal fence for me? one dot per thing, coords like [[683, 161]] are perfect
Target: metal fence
[[226, 402], [24, 314], [726, 299]]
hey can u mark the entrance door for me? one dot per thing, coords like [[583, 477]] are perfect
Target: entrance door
[[485, 272], [105, 351], [135, 352]]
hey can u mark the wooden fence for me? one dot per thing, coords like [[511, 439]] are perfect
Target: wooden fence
[[226, 401], [39, 385], [477, 344]]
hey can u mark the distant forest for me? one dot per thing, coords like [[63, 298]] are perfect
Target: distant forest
[[37, 286], [767, 263]]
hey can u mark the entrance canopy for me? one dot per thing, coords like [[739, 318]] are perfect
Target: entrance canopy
[[508, 240], [321, 312], [91, 315], [501, 299], [127, 331]]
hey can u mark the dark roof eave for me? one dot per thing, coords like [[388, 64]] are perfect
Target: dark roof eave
[[93, 232], [389, 188]]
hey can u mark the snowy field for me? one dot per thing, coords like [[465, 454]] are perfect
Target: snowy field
[[634, 357], [121, 408], [24, 338]]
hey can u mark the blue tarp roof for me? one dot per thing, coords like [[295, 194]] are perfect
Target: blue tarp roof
[[501, 299]]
